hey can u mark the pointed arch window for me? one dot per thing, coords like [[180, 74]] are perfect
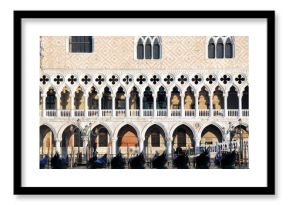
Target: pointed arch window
[[148, 49], [229, 49], [220, 48], [81, 44], [50, 99], [211, 49], [140, 49], [156, 49]]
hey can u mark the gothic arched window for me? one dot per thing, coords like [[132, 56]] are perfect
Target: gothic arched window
[[229, 49], [148, 49], [140, 49], [220, 48], [211, 49], [156, 49]]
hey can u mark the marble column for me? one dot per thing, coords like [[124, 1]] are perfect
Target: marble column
[[141, 145], [169, 147], [141, 105], [127, 106], [154, 105], [240, 104], [114, 147], [43, 105], [182, 105], [72, 99], [196, 105], [100, 104], [57, 105], [225, 104], [168, 105], [210, 106], [57, 146], [113, 105], [86, 105]]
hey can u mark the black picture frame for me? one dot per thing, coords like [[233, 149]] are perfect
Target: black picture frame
[[269, 16]]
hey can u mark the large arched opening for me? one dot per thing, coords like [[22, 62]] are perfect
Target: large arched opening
[[72, 142], [154, 140], [183, 137], [99, 140], [128, 141], [46, 141], [211, 135]]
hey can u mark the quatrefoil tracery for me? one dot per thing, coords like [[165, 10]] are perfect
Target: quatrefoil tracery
[[154, 79], [141, 79], [86, 79], [210, 79], [182, 79], [196, 79], [113, 79], [58, 79], [44, 79], [225, 79], [168, 79], [72, 79], [100, 79], [127, 79], [240, 79]]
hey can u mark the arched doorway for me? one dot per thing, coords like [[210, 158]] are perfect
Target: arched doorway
[[211, 135], [183, 137], [99, 138], [128, 141], [46, 141], [154, 140]]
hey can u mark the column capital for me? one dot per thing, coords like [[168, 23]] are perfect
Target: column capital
[[114, 139], [72, 95], [43, 95], [225, 94]]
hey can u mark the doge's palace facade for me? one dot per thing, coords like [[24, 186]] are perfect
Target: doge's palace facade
[[141, 93]]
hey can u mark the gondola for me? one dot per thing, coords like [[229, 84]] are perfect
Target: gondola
[[137, 162], [180, 159], [43, 162], [118, 162], [58, 162], [159, 162], [202, 161], [97, 163]]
